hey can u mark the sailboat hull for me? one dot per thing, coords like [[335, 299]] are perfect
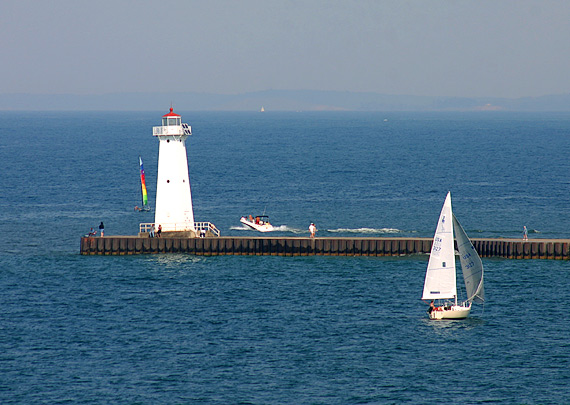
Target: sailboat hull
[[453, 312]]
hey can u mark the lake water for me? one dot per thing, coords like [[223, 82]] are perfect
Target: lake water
[[181, 328]]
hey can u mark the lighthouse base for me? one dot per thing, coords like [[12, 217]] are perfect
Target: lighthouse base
[[171, 234], [200, 229], [178, 234]]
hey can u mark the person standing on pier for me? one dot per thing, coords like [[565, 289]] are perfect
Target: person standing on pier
[[102, 228], [525, 233], [312, 230]]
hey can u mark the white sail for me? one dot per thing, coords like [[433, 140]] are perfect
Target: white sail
[[470, 264], [440, 281]]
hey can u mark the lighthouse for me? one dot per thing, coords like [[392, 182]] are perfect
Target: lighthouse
[[173, 208]]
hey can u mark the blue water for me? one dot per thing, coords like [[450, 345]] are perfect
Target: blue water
[[180, 328]]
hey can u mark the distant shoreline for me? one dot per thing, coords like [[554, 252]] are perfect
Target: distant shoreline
[[279, 100]]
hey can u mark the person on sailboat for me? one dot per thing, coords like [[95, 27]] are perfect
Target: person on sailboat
[[431, 307]]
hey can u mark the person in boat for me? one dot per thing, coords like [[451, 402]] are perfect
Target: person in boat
[[250, 218], [312, 230], [431, 307], [257, 220]]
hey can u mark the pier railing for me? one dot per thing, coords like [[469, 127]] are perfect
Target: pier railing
[[206, 227]]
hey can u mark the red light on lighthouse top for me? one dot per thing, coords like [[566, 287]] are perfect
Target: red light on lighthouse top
[[170, 114]]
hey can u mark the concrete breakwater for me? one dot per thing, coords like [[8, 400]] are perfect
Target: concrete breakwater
[[289, 246]]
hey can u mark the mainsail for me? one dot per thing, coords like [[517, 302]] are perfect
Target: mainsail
[[470, 264], [440, 281], [143, 185]]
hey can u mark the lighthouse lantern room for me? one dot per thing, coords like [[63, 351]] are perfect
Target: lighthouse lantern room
[[173, 208]]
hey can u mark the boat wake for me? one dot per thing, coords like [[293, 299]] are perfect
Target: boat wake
[[365, 230], [285, 228], [276, 228], [241, 228]]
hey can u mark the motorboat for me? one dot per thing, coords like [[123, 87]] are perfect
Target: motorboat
[[259, 223]]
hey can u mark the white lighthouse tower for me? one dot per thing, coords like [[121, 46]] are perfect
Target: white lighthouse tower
[[173, 208]]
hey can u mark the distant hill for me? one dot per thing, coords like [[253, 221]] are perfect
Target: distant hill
[[278, 100]]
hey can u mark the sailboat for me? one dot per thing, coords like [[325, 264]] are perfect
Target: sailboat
[[145, 206], [440, 284]]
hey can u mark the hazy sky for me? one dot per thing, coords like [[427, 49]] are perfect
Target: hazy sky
[[505, 48]]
